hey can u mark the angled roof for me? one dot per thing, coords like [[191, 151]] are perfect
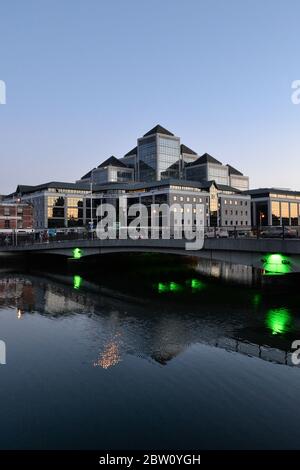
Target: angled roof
[[24, 189], [205, 158], [87, 175], [185, 149], [265, 192], [158, 130], [131, 152], [234, 171], [112, 161]]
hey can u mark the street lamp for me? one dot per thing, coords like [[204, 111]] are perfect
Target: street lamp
[[16, 227], [261, 217], [91, 186]]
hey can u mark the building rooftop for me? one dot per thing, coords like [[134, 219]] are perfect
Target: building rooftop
[[267, 191], [158, 130], [131, 152], [185, 149], [205, 158], [23, 189], [234, 171], [112, 161]]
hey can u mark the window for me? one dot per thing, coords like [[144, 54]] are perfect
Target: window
[[7, 224], [6, 211], [275, 208], [285, 216], [175, 198], [294, 213]]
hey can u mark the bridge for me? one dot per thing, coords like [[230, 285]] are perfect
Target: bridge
[[280, 256]]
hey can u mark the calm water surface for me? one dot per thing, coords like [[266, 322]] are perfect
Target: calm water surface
[[173, 362]]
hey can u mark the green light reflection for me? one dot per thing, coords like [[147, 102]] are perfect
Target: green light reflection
[[278, 320], [77, 281], [276, 264], [175, 287], [77, 253], [256, 299]]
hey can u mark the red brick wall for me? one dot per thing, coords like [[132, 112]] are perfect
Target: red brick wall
[[25, 218]]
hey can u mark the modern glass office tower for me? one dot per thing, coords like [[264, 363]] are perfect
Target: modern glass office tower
[[158, 155]]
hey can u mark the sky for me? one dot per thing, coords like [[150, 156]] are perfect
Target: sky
[[85, 78]]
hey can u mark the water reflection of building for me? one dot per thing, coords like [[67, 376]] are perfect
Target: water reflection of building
[[17, 292], [237, 273], [157, 332]]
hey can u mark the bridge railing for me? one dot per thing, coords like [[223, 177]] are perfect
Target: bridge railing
[[220, 232]]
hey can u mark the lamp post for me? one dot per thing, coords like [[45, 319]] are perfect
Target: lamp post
[[261, 217], [16, 227], [92, 220]]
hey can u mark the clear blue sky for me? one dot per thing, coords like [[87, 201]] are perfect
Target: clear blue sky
[[85, 78]]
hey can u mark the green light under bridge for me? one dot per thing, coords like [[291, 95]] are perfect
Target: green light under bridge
[[276, 264], [77, 281], [195, 284], [77, 253], [173, 287], [164, 287], [278, 320]]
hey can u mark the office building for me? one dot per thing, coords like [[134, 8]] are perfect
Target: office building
[[272, 206], [111, 170]]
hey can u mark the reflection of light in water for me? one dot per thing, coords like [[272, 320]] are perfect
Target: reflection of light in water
[[175, 287], [276, 264], [278, 320], [194, 284], [215, 270], [256, 299], [77, 281], [110, 356], [162, 287], [19, 313]]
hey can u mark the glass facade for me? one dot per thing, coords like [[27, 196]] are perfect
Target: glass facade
[[285, 213], [275, 207], [168, 158], [147, 153], [196, 173], [159, 158], [294, 213], [217, 173], [239, 182]]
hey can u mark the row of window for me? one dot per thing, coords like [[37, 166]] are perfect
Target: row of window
[[190, 199], [236, 212], [7, 211], [236, 222], [235, 202]]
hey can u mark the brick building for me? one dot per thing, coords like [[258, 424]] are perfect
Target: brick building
[[15, 216]]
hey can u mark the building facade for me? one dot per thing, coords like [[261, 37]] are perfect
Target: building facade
[[15, 216], [271, 206]]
